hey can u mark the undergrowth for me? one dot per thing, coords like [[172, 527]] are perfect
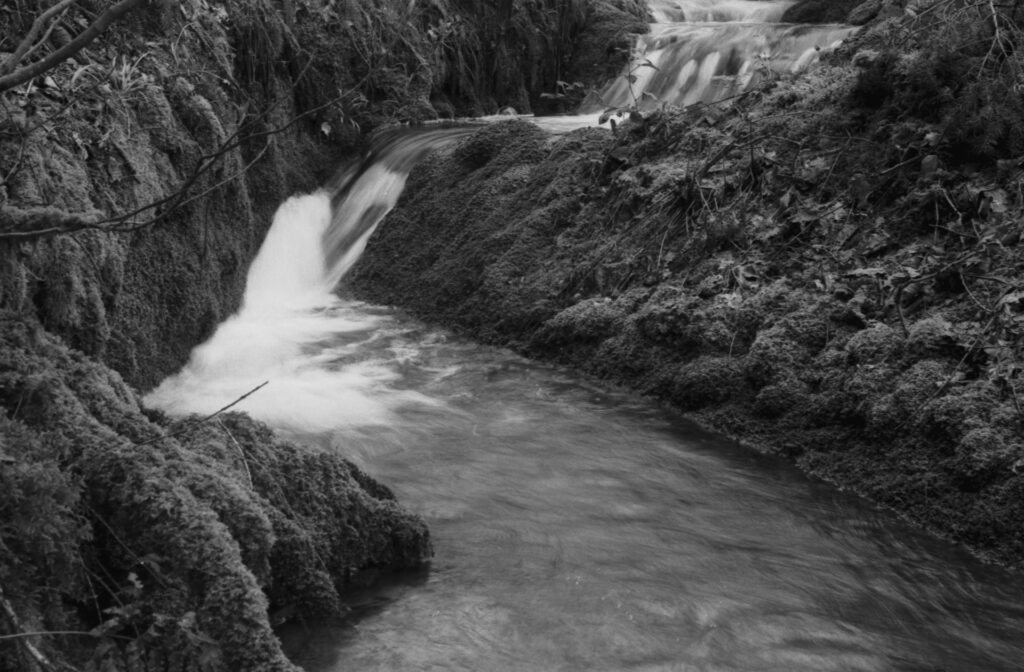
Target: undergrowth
[[954, 64]]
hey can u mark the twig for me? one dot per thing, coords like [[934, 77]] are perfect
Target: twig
[[193, 425], [897, 300], [241, 453], [970, 294], [35, 653], [46, 36], [1013, 391], [899, 165], [167, 213], [113, 14], [117, 538], [27, 43], [721, 153], [43, 633], [120, 223], [997, 37]]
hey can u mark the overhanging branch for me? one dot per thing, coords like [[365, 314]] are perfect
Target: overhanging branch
[[24, 74], [22, 224]]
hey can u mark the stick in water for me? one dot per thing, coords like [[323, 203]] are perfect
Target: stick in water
[[211, 416]]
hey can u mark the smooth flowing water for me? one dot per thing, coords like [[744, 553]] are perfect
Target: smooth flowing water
[[578, 528]]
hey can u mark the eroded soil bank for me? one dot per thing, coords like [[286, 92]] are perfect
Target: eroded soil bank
[[799, 269]]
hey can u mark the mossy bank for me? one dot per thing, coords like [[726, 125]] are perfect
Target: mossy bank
[[168, 545], [814, 271]]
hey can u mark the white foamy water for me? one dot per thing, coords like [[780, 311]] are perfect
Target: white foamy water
[[669, 11], [326, 362], [294, 334], [708, 50], [371, 197]]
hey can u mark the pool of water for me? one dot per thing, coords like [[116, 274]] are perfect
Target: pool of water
[[581, 528]]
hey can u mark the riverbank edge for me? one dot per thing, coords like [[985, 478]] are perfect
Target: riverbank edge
[[573, 250]]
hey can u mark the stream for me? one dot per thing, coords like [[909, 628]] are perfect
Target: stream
[[576, 527]]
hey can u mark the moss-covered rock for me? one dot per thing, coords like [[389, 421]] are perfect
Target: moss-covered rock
[[198, 529], [707, 381], [588, 321], [874, 345], [774, 354], [820, 11], [777, 399]]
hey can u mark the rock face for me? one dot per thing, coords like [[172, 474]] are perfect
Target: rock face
[[650, 259]]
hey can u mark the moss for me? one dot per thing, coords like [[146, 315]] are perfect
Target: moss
[[983, 455], [819, 11], [774, 354], [707, 381], [894, 401], [669, 319], [874, 345], [198, 534], [864, 12], [506, 143], [930, 337], [775, 400], [808, 325], [587, 321], [960, 410]]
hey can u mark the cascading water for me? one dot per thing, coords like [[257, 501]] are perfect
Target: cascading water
[[575, 528], [707, 50], [289, 310]]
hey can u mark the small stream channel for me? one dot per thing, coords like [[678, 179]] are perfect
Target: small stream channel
[[576, 527]]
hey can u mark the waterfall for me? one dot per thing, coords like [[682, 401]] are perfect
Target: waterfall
[[707, 50], [292, 331]]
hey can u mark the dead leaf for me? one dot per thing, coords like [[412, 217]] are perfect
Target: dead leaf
[[874, 271]]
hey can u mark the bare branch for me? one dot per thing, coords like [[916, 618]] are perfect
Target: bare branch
[[113, 14], [18, 223], [45, 38], [26, 44], [41, 660], [48, 633], [192, 425]]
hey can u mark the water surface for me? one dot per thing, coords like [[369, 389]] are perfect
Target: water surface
[[578, 528]]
